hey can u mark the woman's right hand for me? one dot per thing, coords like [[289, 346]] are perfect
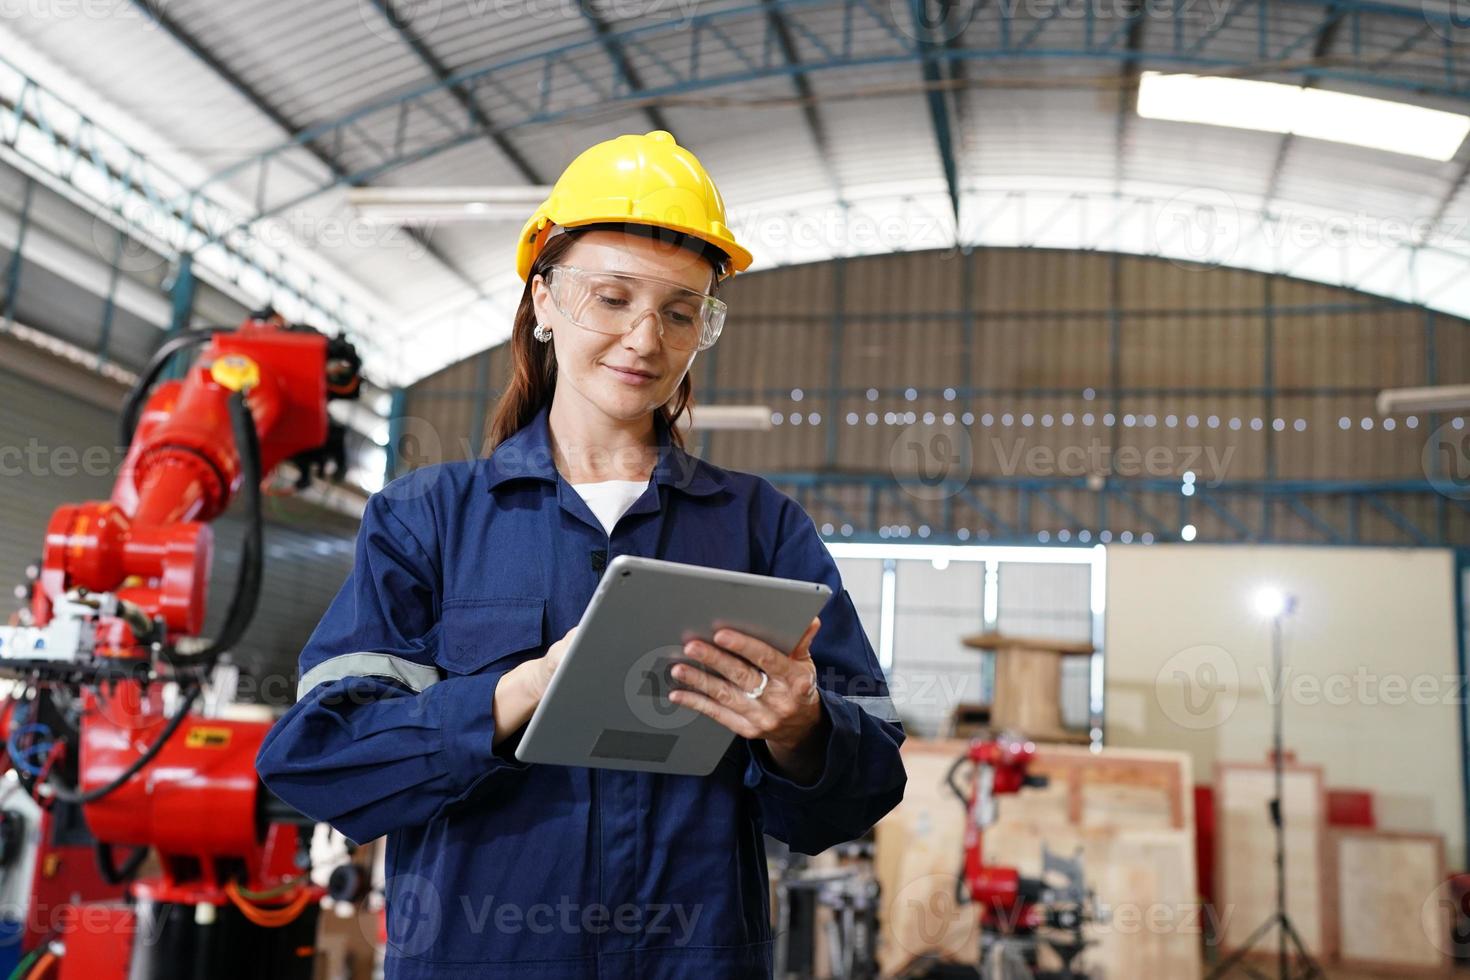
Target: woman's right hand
[[545, 665], [516, 701]]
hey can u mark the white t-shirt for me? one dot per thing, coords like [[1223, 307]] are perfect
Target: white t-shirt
[[610, 499]]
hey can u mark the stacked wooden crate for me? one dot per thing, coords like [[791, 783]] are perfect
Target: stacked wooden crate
[[1130, 812], [1359, 898]]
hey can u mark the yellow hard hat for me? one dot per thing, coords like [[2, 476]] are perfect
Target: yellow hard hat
[[645, 180]]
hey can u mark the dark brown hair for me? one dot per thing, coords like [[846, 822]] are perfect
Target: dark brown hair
[[533, 364]]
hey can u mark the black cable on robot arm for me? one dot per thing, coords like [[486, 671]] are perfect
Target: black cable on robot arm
[[247, 587], [133, 404], [954, 787], [133, 768], [107, 866]]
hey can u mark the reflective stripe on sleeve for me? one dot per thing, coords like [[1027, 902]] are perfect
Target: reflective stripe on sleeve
[[415, 676], [879, 707]]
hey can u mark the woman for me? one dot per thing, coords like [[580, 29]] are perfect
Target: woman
[[421, 676]]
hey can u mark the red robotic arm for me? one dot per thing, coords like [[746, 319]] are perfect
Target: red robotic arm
[[122, 590], [181, 472], [1000, 767], [1018, 915]]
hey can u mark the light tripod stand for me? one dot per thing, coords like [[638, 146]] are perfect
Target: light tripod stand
[[1278, 606]]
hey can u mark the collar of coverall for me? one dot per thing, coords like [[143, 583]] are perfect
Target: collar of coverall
[[526, 455]]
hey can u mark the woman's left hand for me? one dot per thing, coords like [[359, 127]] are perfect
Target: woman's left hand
[[788, 715]]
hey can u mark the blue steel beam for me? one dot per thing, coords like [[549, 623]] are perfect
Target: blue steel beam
[[138, 193], [1122, 492], [13, 267], [934, 95], [181, 312], [1145, 501], [731, 393], [1127, 89], [1305, 513], [1446, 77], [1397, 519], [109, 304], [713, 394], [181, 297], [969, 496], [464, 95], [836, 508], [1051, 502], [957, 71], [609, 43], [1323, 36], [710, 393], [1368, 304], [891, 489], [1170, 485], [808, 100], [184, 38], [1223, 512]]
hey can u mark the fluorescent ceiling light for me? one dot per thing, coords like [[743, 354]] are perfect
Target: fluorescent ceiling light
[[752, 417], [422, 205], [1272, 107], [1444, 398]]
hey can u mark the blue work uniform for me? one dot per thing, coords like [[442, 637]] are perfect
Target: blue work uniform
[[499, 868]]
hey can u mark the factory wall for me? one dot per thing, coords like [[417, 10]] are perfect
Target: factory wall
[[1068, 364], [1372, 691]]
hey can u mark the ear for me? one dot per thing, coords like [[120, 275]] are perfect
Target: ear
[[540, 298]]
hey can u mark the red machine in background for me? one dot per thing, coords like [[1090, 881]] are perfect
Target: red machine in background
[[1019, 916], [116, 610]]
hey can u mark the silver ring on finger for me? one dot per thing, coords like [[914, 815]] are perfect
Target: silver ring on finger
[[760, 688]]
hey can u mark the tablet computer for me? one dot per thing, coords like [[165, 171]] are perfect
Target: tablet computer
[[607, 706]]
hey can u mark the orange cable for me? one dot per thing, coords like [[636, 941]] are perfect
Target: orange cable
[[269, 918], [39, 970]]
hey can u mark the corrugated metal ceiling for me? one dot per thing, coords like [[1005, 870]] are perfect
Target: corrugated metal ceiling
[[1051, 123]]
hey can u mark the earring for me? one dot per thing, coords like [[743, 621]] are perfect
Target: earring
[[542, 332]]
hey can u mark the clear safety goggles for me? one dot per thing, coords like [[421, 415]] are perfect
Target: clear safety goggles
[[614, 303]]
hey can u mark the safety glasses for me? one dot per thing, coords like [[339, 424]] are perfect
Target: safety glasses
[[614, 303]]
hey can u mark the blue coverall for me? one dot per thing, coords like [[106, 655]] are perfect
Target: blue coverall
[[502, 869]]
